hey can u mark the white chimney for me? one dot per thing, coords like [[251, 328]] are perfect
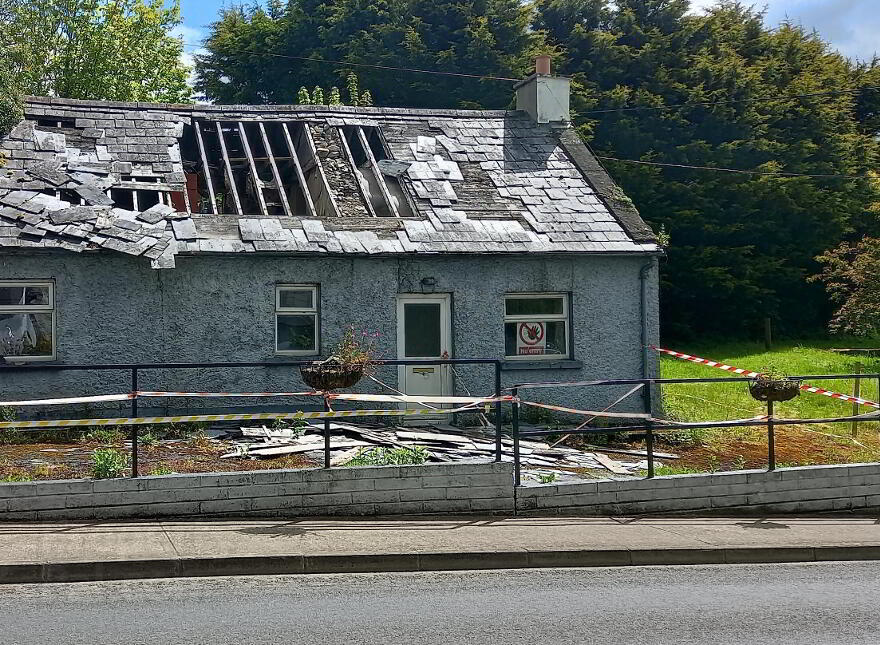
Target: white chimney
[[542, 96]]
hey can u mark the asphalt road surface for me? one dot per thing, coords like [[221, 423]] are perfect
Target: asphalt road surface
[[805, 603]]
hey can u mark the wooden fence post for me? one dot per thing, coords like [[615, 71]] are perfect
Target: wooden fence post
[[857, 390]]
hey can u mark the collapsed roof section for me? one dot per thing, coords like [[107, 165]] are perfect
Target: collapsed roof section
[[162, 180]]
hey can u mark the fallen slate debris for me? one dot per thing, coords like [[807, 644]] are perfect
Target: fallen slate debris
[[443, 443]]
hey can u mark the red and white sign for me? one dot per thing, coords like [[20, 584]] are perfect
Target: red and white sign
[[531, 338]]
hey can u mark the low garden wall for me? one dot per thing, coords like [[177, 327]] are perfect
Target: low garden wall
[[445, 488], [854, 487], [381, 490]]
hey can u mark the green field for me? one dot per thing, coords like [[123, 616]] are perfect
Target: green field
[[722, 401], [736, 447]]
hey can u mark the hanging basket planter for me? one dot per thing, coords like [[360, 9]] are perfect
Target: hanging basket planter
[[765, 389], [330, 375]]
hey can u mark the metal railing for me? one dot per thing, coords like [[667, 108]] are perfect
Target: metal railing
[[135, 369], [652, 425]]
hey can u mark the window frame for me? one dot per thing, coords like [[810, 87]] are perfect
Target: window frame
[[30, 309], [563, 317], [314, 310]]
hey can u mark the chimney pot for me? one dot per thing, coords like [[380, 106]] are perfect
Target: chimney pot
[[542, 65]]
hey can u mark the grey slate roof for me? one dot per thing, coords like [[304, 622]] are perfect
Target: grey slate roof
[[480, 182]]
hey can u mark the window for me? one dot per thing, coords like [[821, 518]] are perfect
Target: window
[[296, 320], [536, 326], [27, 321]]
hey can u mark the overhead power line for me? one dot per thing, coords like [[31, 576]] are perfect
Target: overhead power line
[[756, 99], [507, 79], [734, 170], [367, 65]]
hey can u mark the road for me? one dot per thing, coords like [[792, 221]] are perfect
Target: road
[[804, 603]]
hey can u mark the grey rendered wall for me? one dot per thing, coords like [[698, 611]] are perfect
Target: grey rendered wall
[[114, 309], [386, 490]]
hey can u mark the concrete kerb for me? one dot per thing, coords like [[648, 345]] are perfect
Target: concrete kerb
[[412, 562]]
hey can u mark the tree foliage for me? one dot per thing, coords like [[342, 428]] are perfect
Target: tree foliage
[[849, 273], [95, 49], [742, 246], [10, 100], [476, 36]]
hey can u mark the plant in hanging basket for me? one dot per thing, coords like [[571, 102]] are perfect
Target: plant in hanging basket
[[351, 359], [772, 385]]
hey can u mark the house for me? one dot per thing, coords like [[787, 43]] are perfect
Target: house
[[194, 233]]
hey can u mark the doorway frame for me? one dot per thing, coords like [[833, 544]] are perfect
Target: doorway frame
[[445, 299]]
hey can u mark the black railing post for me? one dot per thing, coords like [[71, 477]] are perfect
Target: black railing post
[[649, 432], [771, 442], [326, 434], [134, 428], [515, 422], [497, 411]]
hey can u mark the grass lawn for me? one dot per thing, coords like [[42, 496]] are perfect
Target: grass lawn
[[705, 401], [796, 445]]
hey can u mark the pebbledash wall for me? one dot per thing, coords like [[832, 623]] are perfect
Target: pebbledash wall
[[446, 488], [114, 309]]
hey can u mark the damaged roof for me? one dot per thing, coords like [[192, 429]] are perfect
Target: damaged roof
[[159, 180]]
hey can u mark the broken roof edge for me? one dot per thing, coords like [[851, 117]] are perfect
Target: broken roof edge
[[198, 108], [611, 194]]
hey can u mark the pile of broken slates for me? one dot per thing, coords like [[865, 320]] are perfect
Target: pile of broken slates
[[443, 443]]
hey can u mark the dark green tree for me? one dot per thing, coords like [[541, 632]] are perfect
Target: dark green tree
[[258, 55], [742, 245]]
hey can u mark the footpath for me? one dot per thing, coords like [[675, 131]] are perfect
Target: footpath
[[110, 550]]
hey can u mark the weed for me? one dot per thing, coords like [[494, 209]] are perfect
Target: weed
[[149, 438], [739, 463], [297, 427], [108, 463], [203, 443], [546, 478], [714, 465], [161, 469], [42, 471], [390, 457], [104, 434], [7, 413], [674, 470], [184, 430], [11, 436], [16, 476]]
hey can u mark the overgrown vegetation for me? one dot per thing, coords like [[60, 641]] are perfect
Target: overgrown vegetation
[[108, 463], [104, 434], [416, 455]]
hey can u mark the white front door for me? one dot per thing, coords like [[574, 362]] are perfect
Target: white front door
[[424, 332]]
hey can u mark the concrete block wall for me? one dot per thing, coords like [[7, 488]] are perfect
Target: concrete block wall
[[385, 490], [444, 488], [854, 487]]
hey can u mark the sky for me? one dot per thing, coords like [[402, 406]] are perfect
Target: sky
[[851, 26]]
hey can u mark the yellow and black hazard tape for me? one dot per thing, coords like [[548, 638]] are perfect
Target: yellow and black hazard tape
[[132, 421]]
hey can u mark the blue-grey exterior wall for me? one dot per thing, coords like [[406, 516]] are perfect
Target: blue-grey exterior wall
[[116, 309]]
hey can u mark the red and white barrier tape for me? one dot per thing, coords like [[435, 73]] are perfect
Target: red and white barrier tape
[[749, 374], [217, 395]]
